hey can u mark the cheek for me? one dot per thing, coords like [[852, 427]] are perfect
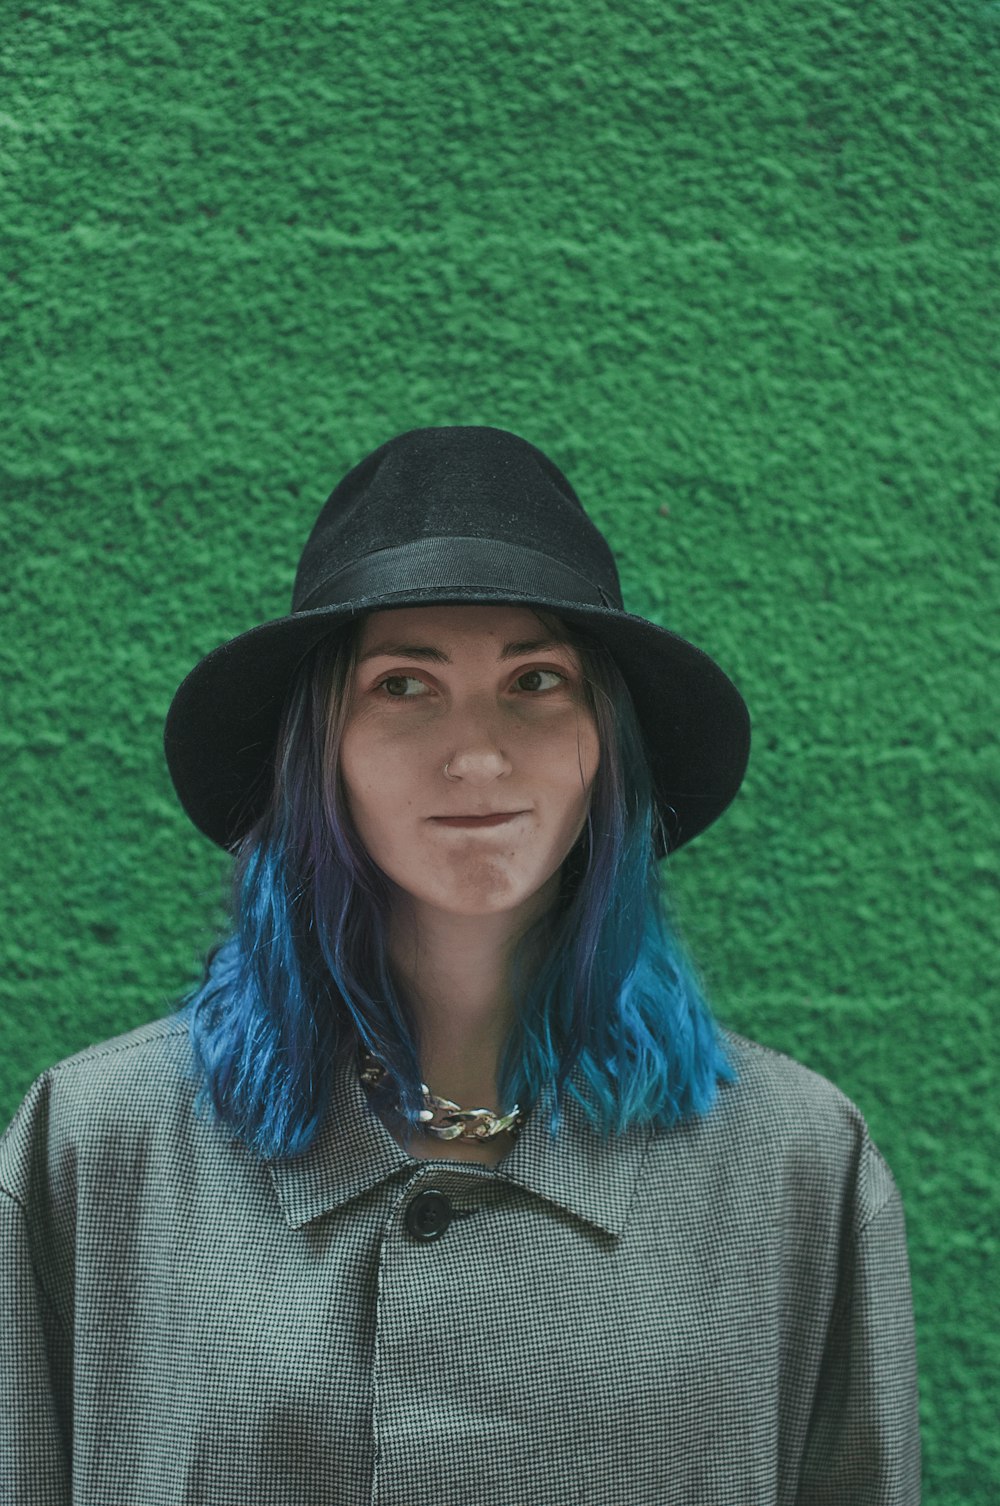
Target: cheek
[[360, 768], [363, 746], [584, 755], [377, 777]]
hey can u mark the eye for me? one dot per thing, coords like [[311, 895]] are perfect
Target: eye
[[529, 673], [399, 680]]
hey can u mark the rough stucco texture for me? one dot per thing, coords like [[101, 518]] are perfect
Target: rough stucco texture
[[735, 268]]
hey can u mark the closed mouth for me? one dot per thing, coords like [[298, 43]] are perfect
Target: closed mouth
[[498, 818]]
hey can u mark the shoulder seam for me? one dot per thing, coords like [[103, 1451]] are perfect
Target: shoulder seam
[[893, 1192], [877, 1212], [867, 1147], [12, 1197], [43, 1289]]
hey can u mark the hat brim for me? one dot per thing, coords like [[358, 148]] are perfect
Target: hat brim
[[223, 720]]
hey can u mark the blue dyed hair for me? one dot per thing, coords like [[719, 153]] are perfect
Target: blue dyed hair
[[302, 983]]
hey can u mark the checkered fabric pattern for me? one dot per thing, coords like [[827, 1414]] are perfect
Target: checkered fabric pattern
[[718, 1314]]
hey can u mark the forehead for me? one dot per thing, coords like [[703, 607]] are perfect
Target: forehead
[[437, 625]]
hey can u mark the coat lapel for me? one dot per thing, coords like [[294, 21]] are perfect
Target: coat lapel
[[592, 1179]]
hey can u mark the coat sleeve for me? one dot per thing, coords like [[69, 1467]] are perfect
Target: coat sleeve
[[863, 1446], [35, 1365], [35, 1333]]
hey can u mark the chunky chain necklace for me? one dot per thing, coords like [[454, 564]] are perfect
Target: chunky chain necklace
[[445, 1119]]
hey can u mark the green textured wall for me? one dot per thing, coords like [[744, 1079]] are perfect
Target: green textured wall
[[734, 266]]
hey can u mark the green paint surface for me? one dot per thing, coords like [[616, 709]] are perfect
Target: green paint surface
[[735, 268]]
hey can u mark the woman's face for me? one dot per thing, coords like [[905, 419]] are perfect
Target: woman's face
[[463, 686]]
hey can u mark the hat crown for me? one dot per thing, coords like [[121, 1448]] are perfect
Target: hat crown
[[458, 482]]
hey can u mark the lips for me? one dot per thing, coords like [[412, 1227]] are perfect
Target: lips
[[500, 818]]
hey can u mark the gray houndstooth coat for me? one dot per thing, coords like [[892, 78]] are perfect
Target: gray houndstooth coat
[[716, 1316]]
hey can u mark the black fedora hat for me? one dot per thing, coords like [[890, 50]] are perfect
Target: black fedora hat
[[454, 515]]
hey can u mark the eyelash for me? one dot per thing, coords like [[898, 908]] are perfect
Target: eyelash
[[531, 694]]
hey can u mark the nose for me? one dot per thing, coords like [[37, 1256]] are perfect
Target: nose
[[475, 733], [477, 765], [475, 751]]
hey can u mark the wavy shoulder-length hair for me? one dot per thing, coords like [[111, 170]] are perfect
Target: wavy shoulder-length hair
[[301, 983]]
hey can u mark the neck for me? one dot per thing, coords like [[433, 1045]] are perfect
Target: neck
[[454, 970]]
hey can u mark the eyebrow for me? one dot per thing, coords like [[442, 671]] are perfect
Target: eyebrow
[[436, 656]]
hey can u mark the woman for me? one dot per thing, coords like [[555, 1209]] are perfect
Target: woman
[[444, 1186]]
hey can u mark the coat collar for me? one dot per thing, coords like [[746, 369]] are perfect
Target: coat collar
[[352, 1152]]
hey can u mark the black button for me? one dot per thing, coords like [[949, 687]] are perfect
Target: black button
[[429, 1214]]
